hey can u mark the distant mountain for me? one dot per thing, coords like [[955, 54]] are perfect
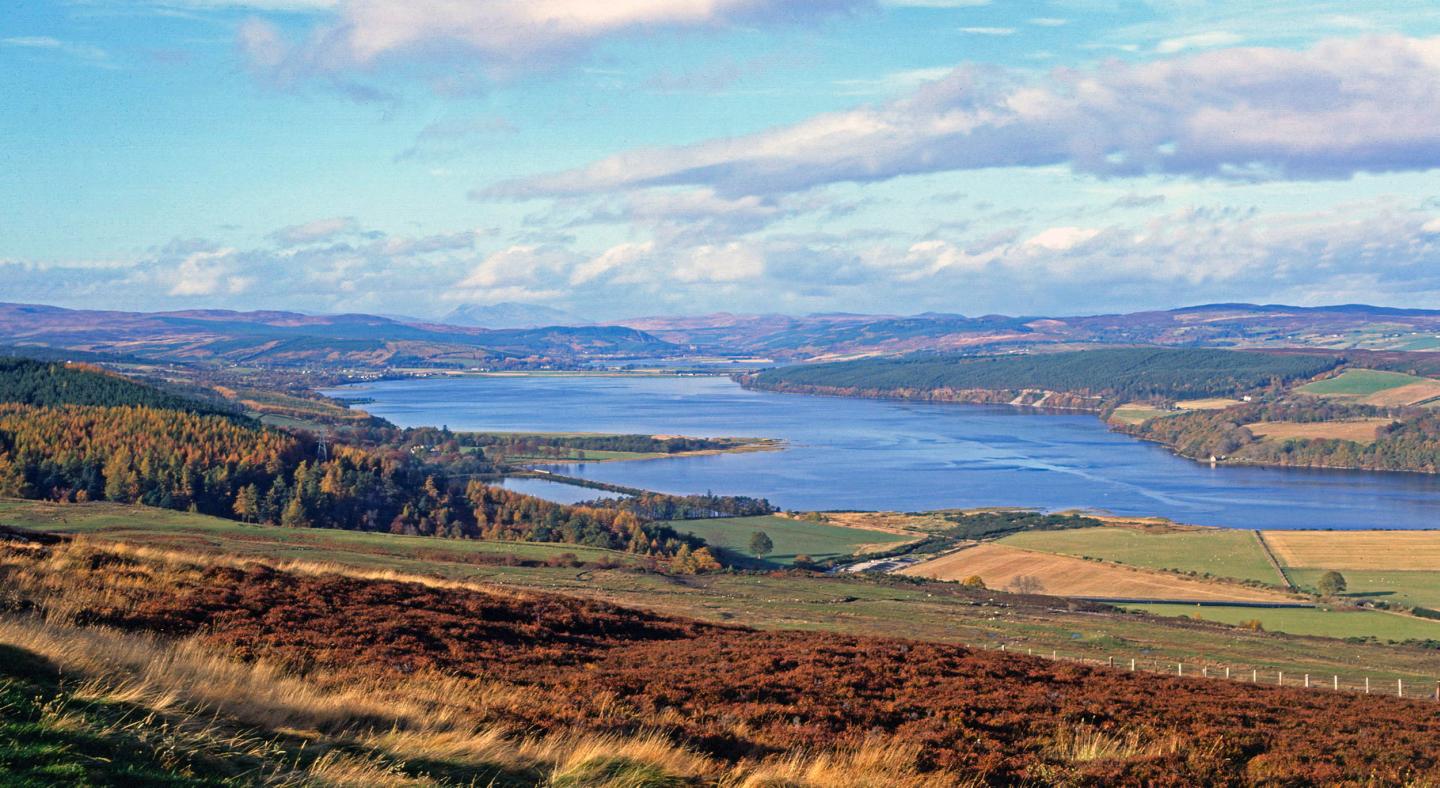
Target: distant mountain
[[509, 314], [294, 339], [832, 336]]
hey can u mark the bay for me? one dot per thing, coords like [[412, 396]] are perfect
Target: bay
[[886, 455]]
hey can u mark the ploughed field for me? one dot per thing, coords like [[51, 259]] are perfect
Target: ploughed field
[[546, 664]]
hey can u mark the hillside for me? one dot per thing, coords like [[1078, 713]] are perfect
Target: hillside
[[827, 336], [292, 339], [1086, 379], [409, 680]]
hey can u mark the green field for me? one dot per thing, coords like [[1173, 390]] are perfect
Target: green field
[[1311, 621], [1397, 587], [1359, 383], [1219, 552], [791, 537]]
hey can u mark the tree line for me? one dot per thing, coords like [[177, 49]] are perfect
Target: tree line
[[1119, 374]]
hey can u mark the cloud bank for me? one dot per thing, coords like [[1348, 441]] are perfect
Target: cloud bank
[[1341, 107]]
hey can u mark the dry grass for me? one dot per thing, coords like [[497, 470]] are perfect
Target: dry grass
[[1000, 566], [1412, 394], [344, 729], [1358, 550], [1359, 430], [1087, 743], [1213, 403]]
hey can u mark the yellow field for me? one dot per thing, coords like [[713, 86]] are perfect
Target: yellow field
[[1214, 403], [1379, 550], [1062, 575], [1137, 413], [1405, 395], [1360, 430]]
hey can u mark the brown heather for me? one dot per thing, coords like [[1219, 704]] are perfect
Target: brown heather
[[304, 675]]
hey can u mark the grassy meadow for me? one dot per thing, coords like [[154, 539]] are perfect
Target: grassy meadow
[[1357, 383], [1320, 622], [1218, 552], [791, 537]]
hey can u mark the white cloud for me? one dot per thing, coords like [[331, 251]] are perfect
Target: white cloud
[[86, 52], [1340, 107], [989, 31], [611, 260], [1059, 239], [318, 230], [1210, 40], [732, 262], [502, 34], [1049, 21], [518, 265], [208, 274], [1431, 227]]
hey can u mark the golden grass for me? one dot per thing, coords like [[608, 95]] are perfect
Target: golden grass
[[1358, 430], [1411, 394], [1212, 403], [342, 729], [1000, 566], [1358, 550]]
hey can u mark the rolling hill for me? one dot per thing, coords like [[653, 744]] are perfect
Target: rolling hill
[[293, 339]]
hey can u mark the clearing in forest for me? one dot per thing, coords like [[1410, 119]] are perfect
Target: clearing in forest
[[1358, 383], [1001, 567], [1357, 430]]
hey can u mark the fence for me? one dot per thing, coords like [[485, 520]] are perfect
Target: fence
[[1395, 687]]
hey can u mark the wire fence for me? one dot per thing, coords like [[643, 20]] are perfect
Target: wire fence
[[1395, 687]]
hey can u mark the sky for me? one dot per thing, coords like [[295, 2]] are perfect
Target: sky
[[645, 157]]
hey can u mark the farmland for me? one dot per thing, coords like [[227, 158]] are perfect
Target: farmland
[[1375, 387], [1319, 622], [1357, 430], [1379, 550], [1000, 566], [1213, 551], [792, 537]]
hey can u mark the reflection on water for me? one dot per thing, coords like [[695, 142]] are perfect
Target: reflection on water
[[559, 492], [868, 454]]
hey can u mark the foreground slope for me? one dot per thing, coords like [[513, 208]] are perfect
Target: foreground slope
[[427, 682]]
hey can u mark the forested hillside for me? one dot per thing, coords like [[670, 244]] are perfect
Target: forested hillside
[[31, 382], [1411, 443], [134, 449], [1122, 374]]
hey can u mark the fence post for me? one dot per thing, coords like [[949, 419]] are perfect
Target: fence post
[[1307, 681], [1132, 665], [1254, 676], [1110, 662], [1399, 688], [1205, 671], [1054, 654], [1227, 672], [1367, 685], [1337, 683], [1180, 669], [1280, 679]]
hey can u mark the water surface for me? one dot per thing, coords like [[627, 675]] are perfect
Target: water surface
[[873, 454]]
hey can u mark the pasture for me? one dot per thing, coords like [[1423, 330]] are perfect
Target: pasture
[[1000, 567], [1137, 413], [1357, 430], [791, 537], [1318, 622], [1220, 552], [1357, 384]]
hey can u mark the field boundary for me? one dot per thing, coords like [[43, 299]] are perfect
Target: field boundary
[[1275, 562]]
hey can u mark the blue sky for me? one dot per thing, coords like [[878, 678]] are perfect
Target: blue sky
[[666, 156]]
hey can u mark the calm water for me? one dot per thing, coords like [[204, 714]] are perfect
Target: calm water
[[556, 491], [868, 454]]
